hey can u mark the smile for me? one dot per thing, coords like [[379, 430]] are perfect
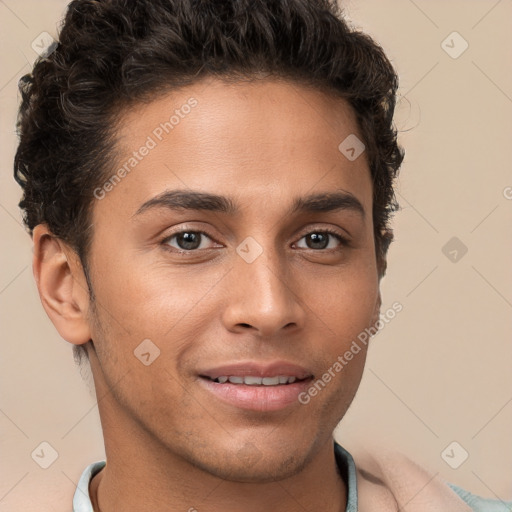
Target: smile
[[252, 380]]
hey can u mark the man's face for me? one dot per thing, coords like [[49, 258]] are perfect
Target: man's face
[[266, 287]]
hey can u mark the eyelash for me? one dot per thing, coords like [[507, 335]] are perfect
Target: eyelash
[[343, 241]]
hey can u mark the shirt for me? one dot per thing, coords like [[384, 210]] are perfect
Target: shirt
[[347, 469]]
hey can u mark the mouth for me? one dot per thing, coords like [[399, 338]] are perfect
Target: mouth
[[253, 380], [257, 387]]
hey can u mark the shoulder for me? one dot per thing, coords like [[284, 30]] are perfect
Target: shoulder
[[388, 480]]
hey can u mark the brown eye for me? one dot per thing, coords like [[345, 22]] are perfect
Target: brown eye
[[319, 240], [187, 240]]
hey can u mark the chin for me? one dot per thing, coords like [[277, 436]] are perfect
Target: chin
[[271, 469], [251, 464]]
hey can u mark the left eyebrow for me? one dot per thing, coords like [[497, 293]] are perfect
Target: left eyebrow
[[327, 202], [192, 200]]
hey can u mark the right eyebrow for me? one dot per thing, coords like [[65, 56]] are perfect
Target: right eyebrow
[[184, 199]]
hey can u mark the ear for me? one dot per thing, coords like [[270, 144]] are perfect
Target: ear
[[62, 286]]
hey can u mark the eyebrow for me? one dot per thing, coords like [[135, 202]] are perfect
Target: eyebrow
[[201, 201]]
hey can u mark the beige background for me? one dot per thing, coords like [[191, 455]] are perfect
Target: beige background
[[439, 372]]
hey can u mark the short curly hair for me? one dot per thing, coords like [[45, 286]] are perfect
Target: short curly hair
[[112, 53]]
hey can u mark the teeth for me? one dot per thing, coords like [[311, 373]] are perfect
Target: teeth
[[252, 380]]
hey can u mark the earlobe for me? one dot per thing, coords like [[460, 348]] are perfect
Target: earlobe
[[62, 286]]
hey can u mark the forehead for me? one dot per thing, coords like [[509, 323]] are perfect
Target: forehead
[[260, 141]]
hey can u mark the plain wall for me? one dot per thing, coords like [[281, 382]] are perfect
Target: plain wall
[[438, 372]]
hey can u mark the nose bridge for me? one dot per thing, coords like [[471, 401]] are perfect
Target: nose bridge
[[262, 294]]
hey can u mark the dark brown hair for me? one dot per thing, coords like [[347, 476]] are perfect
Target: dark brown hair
[[112, 53]]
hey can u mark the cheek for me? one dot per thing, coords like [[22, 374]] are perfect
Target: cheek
[[347, 308], [345, 304], [346, 298], [148, 298], [152, 309]]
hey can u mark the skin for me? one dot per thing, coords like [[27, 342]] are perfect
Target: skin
[[170, 444]]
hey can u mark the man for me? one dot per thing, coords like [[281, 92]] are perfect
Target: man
[[208, 186]]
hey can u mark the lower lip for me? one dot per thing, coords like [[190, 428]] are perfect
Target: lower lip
[[257, 398]]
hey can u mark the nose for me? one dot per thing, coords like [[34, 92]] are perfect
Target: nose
[[263, 296]]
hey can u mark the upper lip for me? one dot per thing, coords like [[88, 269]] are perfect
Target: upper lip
[[253, 368]]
